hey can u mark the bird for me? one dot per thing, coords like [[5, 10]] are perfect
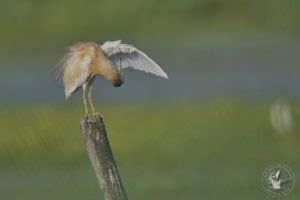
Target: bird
[[276, 182], [83, 61]]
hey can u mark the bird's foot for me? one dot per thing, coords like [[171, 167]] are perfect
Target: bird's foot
[[96, 114], [93, 116], [86, 115]]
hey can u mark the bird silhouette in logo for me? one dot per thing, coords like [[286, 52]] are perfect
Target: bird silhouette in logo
[[276, 182], [86, 60]]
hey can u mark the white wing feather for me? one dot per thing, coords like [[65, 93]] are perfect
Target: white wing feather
[[129, 56]]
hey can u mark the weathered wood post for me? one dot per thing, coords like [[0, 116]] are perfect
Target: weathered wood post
[[101, 157]]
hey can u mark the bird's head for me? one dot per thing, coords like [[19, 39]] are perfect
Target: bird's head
[[118, 78], [118, 82]]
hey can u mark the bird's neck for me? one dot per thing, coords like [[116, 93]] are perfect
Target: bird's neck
[[104, 67]]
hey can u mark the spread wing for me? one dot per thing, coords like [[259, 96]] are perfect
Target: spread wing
[[125, 55]]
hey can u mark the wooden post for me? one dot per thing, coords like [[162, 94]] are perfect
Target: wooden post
[[101, 157]]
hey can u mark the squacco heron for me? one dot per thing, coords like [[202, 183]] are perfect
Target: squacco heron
[[85, 60]]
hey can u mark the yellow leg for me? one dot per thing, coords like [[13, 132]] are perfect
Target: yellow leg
[[90, 99], [84, 100]]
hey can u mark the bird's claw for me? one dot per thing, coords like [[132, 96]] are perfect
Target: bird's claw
[[96, 114], [93, 117]]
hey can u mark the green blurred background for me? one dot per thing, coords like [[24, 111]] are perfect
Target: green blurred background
[[229, 110]]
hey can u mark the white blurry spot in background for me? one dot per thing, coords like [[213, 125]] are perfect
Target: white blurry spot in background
[[281, 117]]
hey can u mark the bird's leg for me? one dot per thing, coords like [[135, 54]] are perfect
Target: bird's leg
[[90, 86], [84, 99], [90, 99]]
